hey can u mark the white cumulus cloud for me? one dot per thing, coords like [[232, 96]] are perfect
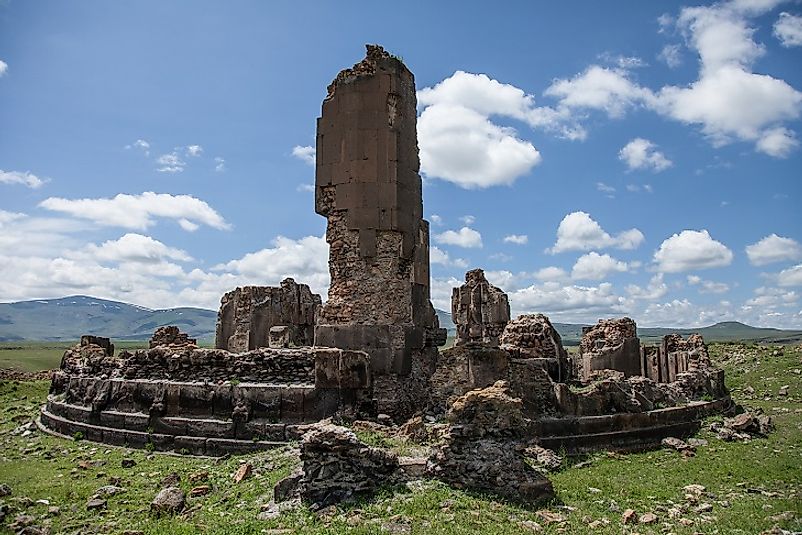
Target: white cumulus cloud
[[170, 163], [134, 247], [642, 154], [306, 154], [464, 147], [579, 232], [788, 29], [583, 303], [139, 211], [671, 55], [518, 239], [791, 276], [193, 150], [438, 256], [26, 178], [777, 142], [600, 88], [464, 237], [593, 266], [691, 250], [772, 249]]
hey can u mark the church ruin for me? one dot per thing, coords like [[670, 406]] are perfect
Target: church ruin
[[284, 358]]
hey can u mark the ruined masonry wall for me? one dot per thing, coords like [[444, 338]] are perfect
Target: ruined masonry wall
[[248, 313], [369, 189], [479, 310]]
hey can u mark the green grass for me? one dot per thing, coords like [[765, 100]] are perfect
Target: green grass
[[37, 356], [748, 482]]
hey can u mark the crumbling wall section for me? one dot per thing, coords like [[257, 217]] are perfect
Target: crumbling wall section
[[533, 337], [479, 310], [248, 313], [610, 345], [171, 335], [369, 189], [482, 449]]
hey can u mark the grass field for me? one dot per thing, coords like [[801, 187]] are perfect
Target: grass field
[[750, 486], [36, 356]]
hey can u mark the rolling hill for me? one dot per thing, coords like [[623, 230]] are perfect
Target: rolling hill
[[68, 318]]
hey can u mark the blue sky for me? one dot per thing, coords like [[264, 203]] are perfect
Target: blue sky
[[596, 159]]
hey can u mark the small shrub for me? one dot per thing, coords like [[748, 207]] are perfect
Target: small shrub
[[77, 436]]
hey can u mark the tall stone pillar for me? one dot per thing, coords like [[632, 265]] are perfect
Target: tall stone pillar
[[368, 187]]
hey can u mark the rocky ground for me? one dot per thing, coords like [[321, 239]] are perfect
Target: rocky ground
[[719, 482]]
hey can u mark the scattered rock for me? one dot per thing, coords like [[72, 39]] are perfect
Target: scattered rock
[[244, 471], [109, 490], [628, 517], [413, 430], [647, 518], [783, 390], [703, 508], [201, 490], [544, 457], [128, 463], [785, 516], [169, 500], [677, 444], [743, 426], [20, 522], [694, 489], [95, 504], [54, 510], [171, 480], [549, 517], [273, 510], [5, 490], [532, 525], [199, 477]]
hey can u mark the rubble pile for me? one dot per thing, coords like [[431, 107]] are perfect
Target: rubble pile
[[481, 450], [336, 466], [743, 426], [532, 336], [170, 335]]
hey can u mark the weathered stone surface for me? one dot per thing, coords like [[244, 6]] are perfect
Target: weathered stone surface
[[336, 466], [479, 310], [368, 187], [743, 426], [480, 450], [105, 343], [247, 315], [533, 336], [610, 345], [468, 367], [87, 358], [169, 500], [171, 335]]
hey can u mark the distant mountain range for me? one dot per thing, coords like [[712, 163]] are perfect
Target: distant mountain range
[[68, 318], [571, 333]]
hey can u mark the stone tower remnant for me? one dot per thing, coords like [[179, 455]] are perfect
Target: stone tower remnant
[[610, 345], [368, 187], [479, 310], [248, 314]]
